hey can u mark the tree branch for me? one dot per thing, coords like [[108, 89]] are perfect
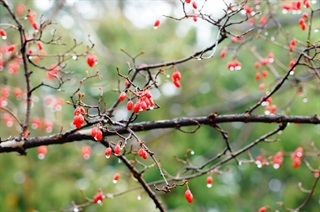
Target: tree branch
[[85, 134]]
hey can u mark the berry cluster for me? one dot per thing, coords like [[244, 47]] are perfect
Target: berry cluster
[[144, 102], [96, 133], [143, 153], [235, 65], [116, 151]]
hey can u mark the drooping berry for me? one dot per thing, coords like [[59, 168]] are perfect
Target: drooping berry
[[3, 34], [194, 5], [108, 152], [137, 107], [156, 24], [223, 53], [86, 152], [78, 121], [277, 160], [188, 195], [296, 163], [265, 73], [209, 181], [122, 96], [117, 150], [92, 60], [130, 105], [42, 151], [258, 76], [116, 177], [262, 209], [40, 45], [11, 48]]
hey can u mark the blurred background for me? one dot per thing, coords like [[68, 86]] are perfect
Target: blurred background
[[51, 184]]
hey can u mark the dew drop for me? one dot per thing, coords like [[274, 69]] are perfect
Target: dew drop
[[305, 100], [266, 33], [138, 197], [41, 156], [4, 37], [276, 166], [115, 181], [316, 30], [75, 57], [76, 210], [107, 156], [192, 152], [209, 185]]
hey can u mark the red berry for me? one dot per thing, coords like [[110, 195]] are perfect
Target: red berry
[[40, 46], [116, 177], [195, 18], [262, 209], [264, 20], [122, 96], [3, 34], [265, 73], [176, 76], [247, 9], [117, 149], [301, 21], [258, 76], [188, 1], [108, 152], [303, 26], [86, 151], [209, 181], [35, 26], [156, 24], [188, 195], [307, 4], [296, 163], [42, 151], [177, 84], [223, 53], [305, 15], [194, 5], [130, 105], [11, 48], [137, 107], [262, 86], [92, 60], [78, 121], [257, 65]]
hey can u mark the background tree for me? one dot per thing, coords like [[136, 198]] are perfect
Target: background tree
[[217, 108]]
